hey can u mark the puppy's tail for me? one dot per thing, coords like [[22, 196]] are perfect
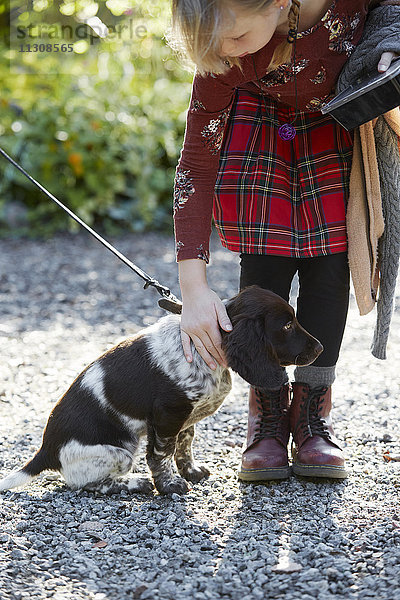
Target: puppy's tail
[[23, 476]]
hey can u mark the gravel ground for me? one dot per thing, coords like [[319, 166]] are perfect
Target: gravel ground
[[63, 302]]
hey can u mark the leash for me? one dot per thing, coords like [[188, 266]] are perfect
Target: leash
[[168, 301]]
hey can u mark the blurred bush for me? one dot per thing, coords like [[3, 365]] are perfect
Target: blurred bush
[[104, 138]]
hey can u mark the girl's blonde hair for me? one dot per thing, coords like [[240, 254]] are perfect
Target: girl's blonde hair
[[197, 25]]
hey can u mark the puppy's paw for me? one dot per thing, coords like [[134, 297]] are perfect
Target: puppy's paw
[[132, 485], [139, 485], [194, 473], [174, 485], [108, 487]]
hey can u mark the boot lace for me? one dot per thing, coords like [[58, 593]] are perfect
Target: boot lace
[[270, 414], [311, 422]]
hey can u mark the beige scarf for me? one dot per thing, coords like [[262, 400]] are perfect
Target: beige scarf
[[365, 223]]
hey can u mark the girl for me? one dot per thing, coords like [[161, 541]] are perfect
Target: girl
[[257, 145]]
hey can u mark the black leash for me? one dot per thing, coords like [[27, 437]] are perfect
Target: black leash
[[168, 301]]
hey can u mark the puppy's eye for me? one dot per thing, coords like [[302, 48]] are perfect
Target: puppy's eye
[[288, 326]]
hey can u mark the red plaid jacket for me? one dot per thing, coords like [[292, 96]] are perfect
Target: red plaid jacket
[[321, 53]]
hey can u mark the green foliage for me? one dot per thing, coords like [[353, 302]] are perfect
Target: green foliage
[[104, 135]]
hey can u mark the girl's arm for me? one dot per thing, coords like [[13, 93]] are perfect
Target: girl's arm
[[203, 313], [197, 168]]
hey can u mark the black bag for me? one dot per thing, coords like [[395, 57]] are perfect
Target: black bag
[[368, 98]]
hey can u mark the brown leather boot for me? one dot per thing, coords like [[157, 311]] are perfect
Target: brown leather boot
[[266, 454], [315, 449]]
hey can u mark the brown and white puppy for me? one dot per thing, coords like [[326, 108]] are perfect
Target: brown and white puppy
[[145, 386]]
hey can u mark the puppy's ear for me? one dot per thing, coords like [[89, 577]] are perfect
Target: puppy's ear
[[250, 353]]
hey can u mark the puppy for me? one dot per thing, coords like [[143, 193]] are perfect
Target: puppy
[[145, 386]]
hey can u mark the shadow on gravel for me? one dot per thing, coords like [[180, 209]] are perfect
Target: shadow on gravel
[[277, 540], [285, 539]]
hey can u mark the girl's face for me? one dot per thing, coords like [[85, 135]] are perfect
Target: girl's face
[[251, 31]]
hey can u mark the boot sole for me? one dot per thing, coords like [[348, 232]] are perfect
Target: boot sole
[[264, 474], [326, 471]]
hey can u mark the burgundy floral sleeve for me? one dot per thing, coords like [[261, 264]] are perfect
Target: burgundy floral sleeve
[[196, 172]]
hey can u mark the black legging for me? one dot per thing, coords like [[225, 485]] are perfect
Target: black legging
[[323, 299]]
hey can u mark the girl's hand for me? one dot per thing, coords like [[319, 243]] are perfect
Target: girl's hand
[[203, 313], [386, 60]]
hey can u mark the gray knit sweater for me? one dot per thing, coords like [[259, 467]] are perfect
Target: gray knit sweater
[[382, 34]]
